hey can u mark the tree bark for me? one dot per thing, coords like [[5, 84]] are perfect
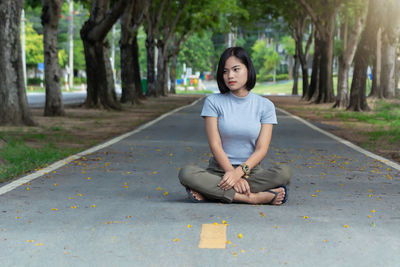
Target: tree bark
[[390, 40], [295, 90], [172, 73], [151, 75], [377, 67], [100, 81], [130, 68], [313, 88], [14, 108], [349, 49], [358, 100], [51, 11], [290, 66]]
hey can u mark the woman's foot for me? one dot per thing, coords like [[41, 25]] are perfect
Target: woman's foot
[[263, 197], [195, 196]]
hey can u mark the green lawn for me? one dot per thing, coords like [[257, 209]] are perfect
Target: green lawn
[[285, 87]]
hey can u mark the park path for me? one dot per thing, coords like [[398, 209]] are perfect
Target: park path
[[123, 206]]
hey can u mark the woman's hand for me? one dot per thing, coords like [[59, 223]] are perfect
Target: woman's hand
[[230, 178], [242, 187]]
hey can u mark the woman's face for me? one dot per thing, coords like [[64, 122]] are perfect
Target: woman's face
[[235, 75]]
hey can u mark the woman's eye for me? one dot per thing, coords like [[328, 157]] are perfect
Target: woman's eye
[[237, 69]]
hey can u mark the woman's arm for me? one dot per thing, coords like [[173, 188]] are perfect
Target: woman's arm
[[262, 145], [214, 141]]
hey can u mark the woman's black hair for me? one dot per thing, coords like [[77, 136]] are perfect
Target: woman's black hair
[[244, 57]]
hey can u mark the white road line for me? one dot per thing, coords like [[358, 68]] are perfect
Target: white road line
[[8, 187], [345, 142]]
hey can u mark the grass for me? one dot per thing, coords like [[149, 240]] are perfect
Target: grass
[[384, 120], [189, 92], [285, 87], [20, 157]]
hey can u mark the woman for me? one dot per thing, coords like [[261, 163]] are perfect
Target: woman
[[239, 128]]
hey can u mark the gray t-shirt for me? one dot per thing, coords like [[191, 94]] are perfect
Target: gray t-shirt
[[239, 121]]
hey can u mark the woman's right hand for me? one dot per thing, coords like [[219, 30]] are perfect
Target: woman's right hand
[[242, 187]]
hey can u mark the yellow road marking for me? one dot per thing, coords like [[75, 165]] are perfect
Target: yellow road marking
[[213, 236]]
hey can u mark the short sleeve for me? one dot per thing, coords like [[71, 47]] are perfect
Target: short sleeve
[[209, 109], [268, 115]]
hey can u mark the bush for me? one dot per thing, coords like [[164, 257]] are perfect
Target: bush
[[270, 77], [34, 81], [283, 76], [79, 80]]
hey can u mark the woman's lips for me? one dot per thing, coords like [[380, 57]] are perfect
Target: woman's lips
[[231, 83]]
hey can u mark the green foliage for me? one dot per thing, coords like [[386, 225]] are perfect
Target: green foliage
[[259, 51], [289, 45], [197, 52], [33, 46], [265, 59]]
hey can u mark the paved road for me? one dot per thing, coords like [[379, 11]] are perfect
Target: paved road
[[343, 207], [37, 100]]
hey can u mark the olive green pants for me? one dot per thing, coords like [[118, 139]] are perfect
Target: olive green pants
[[205, 181]]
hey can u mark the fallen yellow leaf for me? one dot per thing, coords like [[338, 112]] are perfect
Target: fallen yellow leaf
[[54, 209], [240, 236], [39, 244], [165, 193], [346, 226], [176, 240], [305, 217], [30, 241]]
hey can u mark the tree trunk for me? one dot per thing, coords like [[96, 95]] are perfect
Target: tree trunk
[[172, 73], [100, 81], [161, 67], [14, 108], [358, 86], [312, 90], [130, 68], [390, 40], [376, 90], [349, 49], [150, 50], [342, 98], [51, 10], [325, 92], [290, 66], [295, 90]]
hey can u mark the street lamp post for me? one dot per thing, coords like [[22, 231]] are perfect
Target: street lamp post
[[71, 43]]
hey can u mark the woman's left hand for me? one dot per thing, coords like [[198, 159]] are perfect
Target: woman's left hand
[[229, 179]]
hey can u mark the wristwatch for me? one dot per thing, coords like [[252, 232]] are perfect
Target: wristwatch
[[246, 169]]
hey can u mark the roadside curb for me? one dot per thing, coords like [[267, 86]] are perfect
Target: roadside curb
[[388, 162], [28, 178]]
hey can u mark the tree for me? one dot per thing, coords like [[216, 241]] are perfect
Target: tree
[[323, 14], [13, 102], [390, 41], [355, 10], [130, 68], [159, 29], [51, 10], [358, 100], [100, 82]]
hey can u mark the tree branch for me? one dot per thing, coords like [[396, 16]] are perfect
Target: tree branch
[[99, 32]]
